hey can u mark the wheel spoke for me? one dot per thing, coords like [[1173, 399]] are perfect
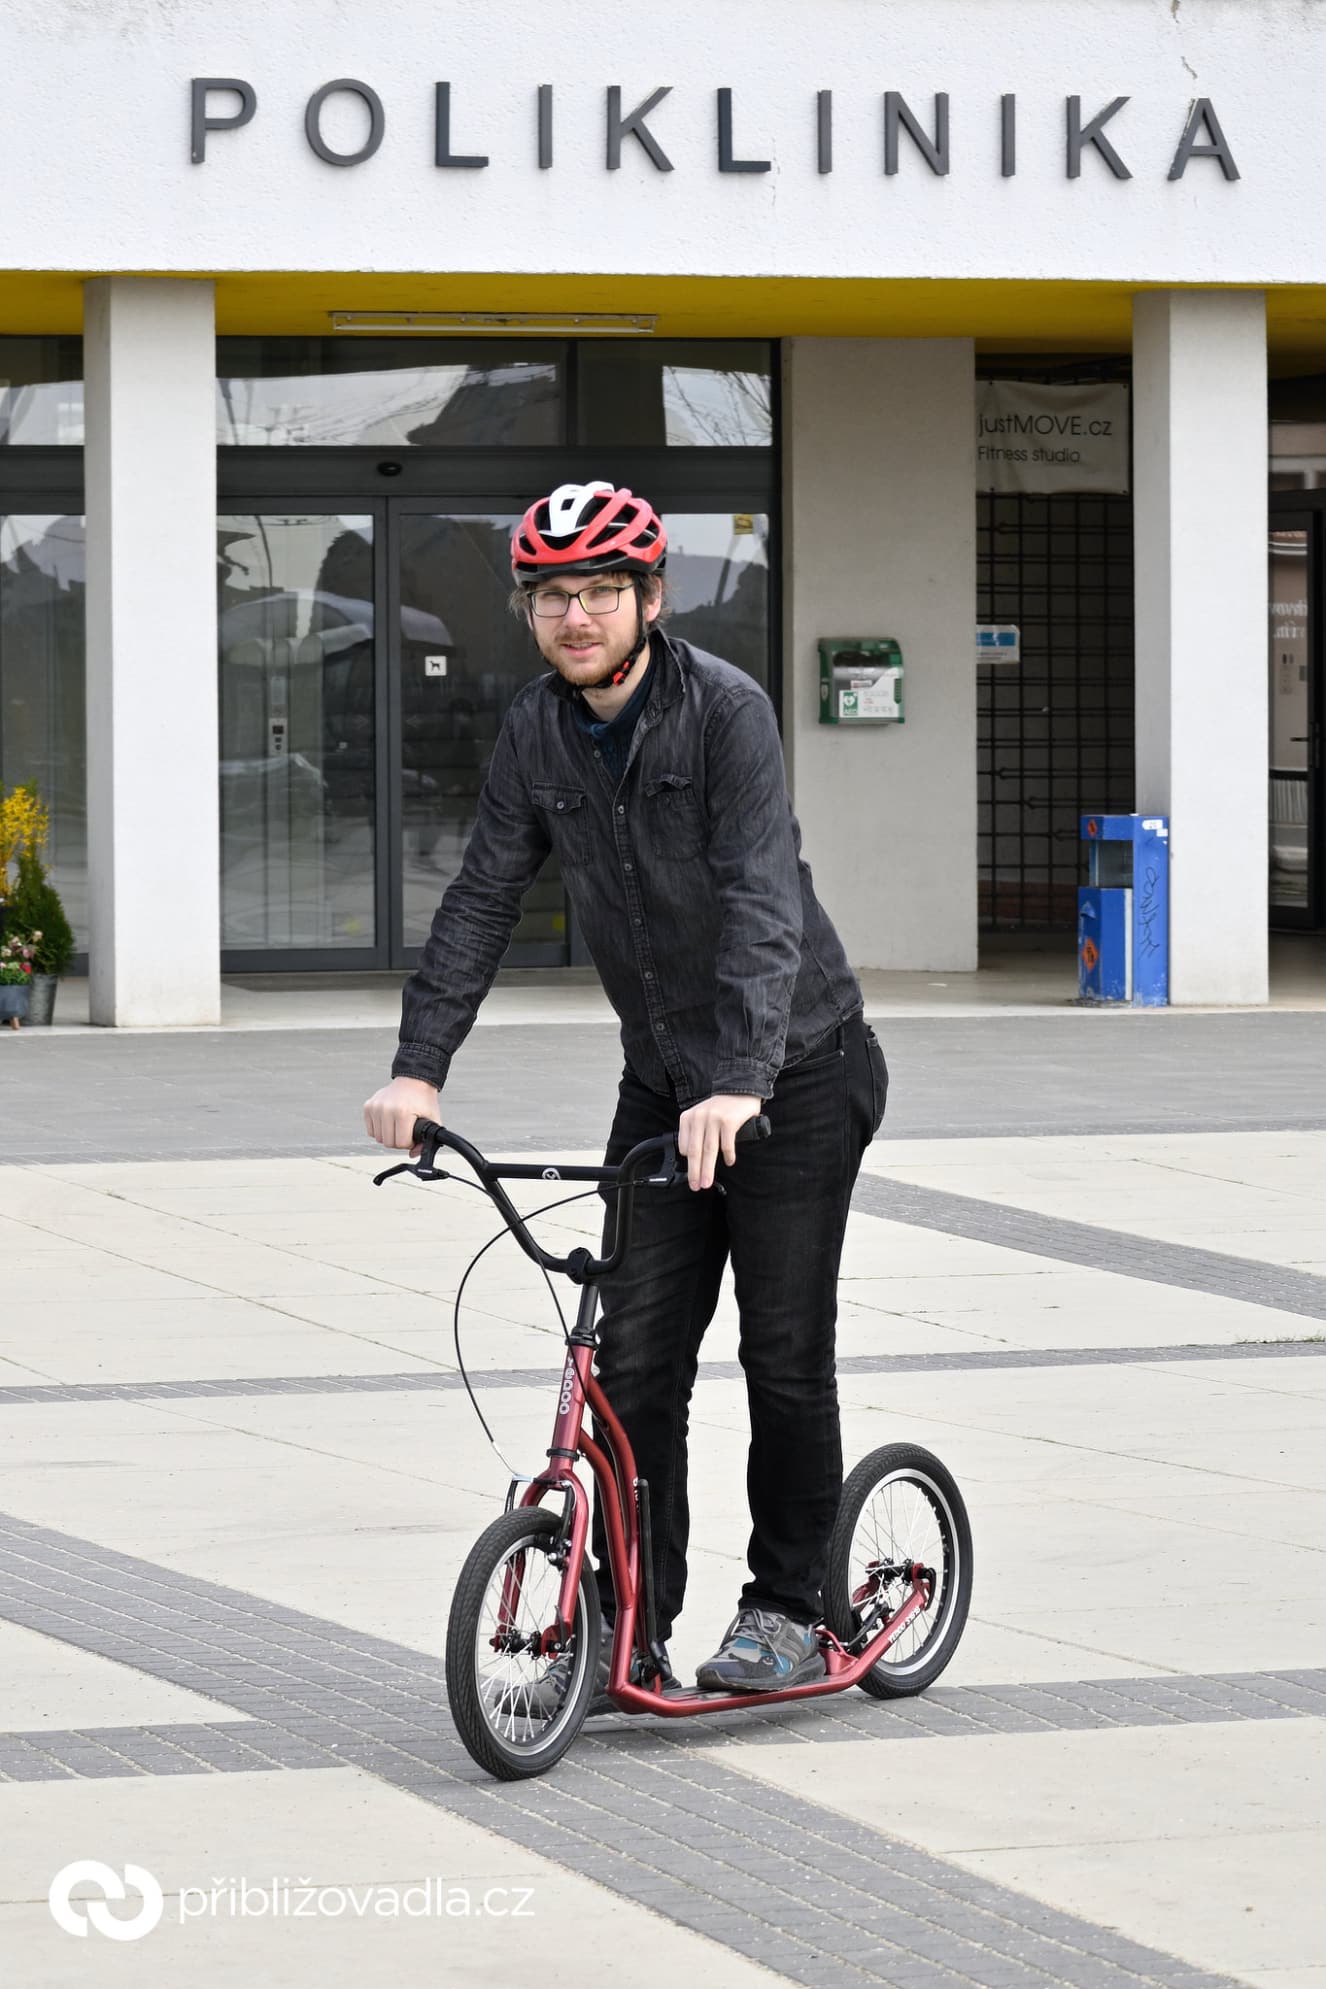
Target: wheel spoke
[[522, 1693], [905, 1519]]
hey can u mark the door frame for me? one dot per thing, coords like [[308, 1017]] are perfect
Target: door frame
[[385, 484], [1305, 510]]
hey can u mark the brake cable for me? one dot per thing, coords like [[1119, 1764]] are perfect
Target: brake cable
[[564, 1202]]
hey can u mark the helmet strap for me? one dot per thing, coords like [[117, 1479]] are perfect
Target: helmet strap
[[639, 648]]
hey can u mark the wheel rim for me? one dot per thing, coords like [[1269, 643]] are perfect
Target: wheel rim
[[524, 1705], [906, 1517]]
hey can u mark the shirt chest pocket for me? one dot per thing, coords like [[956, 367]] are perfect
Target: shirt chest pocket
[[567, 820], [676, 821]]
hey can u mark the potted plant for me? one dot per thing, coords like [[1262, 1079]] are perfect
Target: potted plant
[[35, 909], [16, 954]]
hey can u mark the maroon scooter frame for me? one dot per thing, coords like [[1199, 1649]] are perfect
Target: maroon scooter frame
[[613, 1468], [609, 1455]]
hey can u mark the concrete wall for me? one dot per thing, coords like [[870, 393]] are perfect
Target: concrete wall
[[880, 529], [96, 135]]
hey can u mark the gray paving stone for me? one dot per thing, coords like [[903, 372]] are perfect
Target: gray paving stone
[[772, 1866]]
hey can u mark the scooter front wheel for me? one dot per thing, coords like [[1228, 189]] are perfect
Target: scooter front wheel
[[518, 1702], [900, 1506]]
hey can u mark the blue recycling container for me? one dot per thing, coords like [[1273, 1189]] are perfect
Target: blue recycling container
[[1123, 911]]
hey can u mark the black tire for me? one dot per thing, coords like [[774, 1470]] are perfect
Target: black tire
[[501, 1724], [929, 1526]]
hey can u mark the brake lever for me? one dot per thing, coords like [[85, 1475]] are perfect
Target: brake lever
[[415, 1167], [672, 1166]]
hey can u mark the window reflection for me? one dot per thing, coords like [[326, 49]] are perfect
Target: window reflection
[[1290, 655], [1298, 455], [462, 658], [718, 585], [388, 393], [42, 727], [679, 393], [41, 392], [297, 731]]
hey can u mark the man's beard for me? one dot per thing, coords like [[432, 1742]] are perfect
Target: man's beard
[[595, 666]]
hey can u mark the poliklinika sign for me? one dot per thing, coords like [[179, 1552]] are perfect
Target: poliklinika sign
[[918, 133]]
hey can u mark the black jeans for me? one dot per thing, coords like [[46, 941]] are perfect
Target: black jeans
[[780, 1215]]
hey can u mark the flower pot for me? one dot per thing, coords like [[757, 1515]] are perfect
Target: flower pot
[[14, 1005], [41, 1004]]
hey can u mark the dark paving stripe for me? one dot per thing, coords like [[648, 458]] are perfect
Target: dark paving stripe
[[1156, 1262], [447, 1381], [115, 1095], [812, 1894], [965, 1712], [944, 1713], [207, 1748]]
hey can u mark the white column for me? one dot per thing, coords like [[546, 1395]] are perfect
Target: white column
[[879, 505], [150, 369], [1199, 466]]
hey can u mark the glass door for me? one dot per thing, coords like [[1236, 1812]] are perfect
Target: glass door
[[461, 656], [459, 659], [1295, 722], [368, 657], [300, 782]]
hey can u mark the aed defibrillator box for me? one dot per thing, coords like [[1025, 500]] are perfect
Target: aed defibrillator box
[[860, 680]]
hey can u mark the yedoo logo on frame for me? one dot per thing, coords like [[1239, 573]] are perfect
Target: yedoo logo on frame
[[75, 1916]]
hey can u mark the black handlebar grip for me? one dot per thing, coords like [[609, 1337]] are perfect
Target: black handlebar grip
[[754, 1129], [422, 1128]]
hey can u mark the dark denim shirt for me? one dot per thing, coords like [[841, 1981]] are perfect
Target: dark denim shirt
[[613, 736], [687, 877]]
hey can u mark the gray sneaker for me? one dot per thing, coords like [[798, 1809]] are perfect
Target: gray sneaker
[[763, 1651], [601, 1703]]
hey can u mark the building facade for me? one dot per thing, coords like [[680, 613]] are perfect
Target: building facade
[[909, 319]]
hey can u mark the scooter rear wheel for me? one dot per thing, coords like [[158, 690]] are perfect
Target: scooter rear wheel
[[900, 1505]]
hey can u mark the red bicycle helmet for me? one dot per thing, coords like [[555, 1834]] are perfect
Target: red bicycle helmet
[[588, 528]]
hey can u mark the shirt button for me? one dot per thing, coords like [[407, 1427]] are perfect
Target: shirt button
[[620, 809], [561, 804], [628, 866], [637, 921], [648, 975]]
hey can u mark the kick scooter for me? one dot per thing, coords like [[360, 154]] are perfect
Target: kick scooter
[[523, 1637]]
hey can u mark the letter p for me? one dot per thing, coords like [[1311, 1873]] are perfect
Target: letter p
[[200, 88]]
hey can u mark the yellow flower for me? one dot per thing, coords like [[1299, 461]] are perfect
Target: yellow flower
[[24, 825]]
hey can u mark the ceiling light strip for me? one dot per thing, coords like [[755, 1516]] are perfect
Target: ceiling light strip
[[496, 324]]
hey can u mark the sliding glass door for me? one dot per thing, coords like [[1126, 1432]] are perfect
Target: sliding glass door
[[368, 656]]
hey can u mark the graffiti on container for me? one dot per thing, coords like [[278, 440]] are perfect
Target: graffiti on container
[[1149, 910]]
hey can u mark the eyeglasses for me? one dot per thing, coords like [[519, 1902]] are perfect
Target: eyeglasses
[[599, 598]]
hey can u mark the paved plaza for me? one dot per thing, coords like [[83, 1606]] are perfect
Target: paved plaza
[[239, 1473]]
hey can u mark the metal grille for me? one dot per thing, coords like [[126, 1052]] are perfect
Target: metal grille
[[1055, 733]]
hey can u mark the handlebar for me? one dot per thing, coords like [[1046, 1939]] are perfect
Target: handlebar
[[581, 1266]]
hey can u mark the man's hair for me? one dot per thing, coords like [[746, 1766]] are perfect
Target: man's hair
[[652, 586]]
